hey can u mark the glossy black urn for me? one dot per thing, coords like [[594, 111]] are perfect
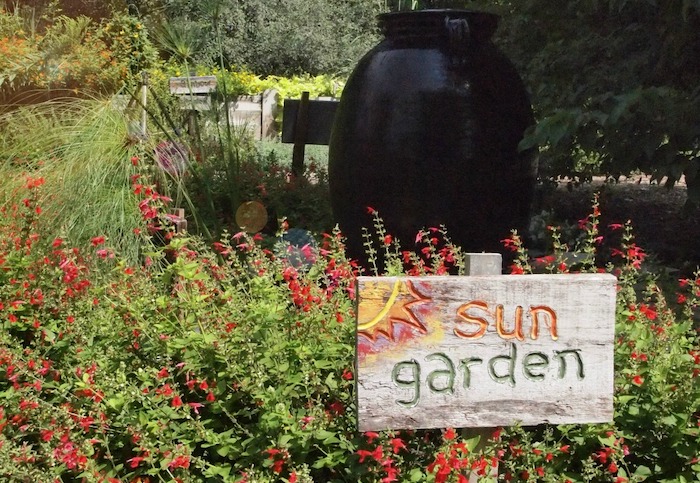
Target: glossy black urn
[[427, 131]]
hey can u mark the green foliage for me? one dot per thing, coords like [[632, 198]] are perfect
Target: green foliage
[[612, 80], [83, 156], [129, 43], [285, 37], [73, 56], [656, 389]]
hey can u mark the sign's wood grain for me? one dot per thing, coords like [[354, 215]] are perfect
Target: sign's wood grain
[[484, 350]]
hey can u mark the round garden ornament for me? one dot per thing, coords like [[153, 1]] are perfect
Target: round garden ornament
[[251, 216], [427, 133]]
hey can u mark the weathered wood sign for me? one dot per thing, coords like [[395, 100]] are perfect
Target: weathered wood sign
[[193, 85], [484, 351]]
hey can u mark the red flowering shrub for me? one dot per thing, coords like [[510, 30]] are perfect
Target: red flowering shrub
[[233, 365]]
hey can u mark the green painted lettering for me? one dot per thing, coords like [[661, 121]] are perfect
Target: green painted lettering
[[464, 364], [413, 383], [510, 360], [532, 361], [449, 373], [562, 362]]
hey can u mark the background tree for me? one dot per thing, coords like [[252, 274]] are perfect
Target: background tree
[[614, 83], [280, 37]]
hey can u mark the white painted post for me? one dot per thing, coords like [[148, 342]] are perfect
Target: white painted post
[[269, 111]]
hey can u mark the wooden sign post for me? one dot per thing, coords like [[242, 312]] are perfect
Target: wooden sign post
[[484, 351]]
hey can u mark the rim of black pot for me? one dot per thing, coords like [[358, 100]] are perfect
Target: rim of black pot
[[483, 24]]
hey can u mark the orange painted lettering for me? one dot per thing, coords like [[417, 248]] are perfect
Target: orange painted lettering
[[463, 312], [517, 332], [549, 315]]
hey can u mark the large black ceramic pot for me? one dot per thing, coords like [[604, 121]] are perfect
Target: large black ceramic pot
[[427, 131]]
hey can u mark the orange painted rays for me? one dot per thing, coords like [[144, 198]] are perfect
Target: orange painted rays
[[384, 304]]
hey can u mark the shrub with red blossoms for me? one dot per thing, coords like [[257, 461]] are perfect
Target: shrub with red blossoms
[[226, 363]]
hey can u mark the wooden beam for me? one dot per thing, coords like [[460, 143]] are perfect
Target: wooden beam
[[302, 127]]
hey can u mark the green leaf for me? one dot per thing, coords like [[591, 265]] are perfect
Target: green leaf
[[642, 471], [473, 443], [669, 420], [416, 475], [609, 441]]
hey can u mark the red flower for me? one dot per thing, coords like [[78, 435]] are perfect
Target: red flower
[[648, 312], [516, 270], [450, 434], [397, 444], [135, 461], [336, 408], [176, 402], [277, 466], [363, 453], [195, 406], [371, 436], [182, 461], [637, 380], [34, 182], [98, 240]]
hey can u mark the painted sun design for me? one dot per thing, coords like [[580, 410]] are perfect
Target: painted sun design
[[384, 304]]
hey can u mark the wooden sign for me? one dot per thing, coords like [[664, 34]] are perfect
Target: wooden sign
[[436, 352], [193, 85], [319, 120]]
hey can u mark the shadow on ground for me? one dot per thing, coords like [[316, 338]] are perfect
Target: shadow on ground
[[667, 232]]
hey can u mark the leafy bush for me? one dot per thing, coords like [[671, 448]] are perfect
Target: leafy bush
[[70, 56], [613, 84], [83, 156], [233, 364], [287, 37]]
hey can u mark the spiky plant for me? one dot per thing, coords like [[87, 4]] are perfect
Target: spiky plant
[[81, 149]]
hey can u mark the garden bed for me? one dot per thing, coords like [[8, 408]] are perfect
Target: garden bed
[[661, 224]]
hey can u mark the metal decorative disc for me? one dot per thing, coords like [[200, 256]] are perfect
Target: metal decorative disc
[[251, 216]]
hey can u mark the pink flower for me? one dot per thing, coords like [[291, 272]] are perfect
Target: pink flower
[[195, 406]]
